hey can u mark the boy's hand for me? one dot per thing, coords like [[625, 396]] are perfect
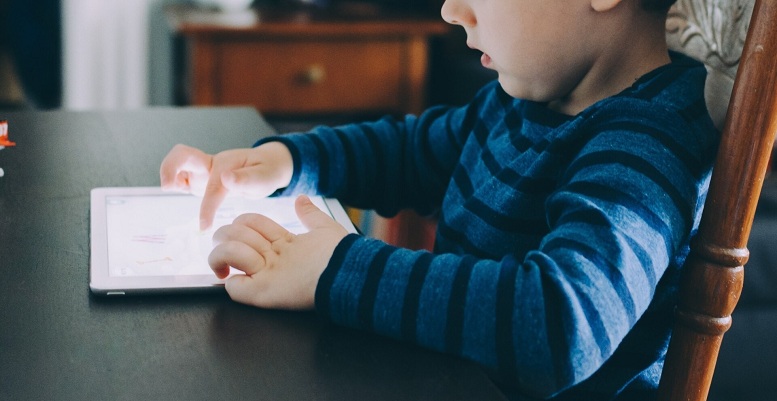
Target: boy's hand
[[281, 269], [255, 172]]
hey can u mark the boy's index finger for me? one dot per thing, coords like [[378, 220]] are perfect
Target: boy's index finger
[[215, 191], [211, 200]]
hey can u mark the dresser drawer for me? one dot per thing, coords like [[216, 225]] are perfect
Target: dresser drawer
[[315, 76]]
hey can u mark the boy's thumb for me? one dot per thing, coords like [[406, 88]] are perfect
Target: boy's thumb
[[310, 215]]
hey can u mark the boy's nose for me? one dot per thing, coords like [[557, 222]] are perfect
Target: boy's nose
[[456, 12]]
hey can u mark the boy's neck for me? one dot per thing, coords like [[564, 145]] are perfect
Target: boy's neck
[[635, 50]]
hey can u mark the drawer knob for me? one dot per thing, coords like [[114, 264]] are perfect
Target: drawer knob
[[314, 74]]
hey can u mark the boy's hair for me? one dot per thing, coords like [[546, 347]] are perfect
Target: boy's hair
[[660, 6]]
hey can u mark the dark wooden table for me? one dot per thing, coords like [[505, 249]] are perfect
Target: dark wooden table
[[59, 342]]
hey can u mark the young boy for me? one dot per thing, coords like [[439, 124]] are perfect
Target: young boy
[[566, 193]]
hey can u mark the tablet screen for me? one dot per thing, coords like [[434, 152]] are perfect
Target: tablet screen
[[145, 240], [152, 235]]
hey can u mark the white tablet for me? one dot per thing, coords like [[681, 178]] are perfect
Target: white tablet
[[145, 240]]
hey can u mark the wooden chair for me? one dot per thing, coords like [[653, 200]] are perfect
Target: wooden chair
[[714, 274]]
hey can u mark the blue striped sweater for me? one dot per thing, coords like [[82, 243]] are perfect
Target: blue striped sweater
[[560, 238]]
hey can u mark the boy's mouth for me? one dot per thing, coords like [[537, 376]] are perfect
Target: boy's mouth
[[485, 59]]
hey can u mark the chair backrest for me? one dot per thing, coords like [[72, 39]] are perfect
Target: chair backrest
[[713, 32], [714, 272]]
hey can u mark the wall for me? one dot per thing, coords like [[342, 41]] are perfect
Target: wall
[[116, 54]]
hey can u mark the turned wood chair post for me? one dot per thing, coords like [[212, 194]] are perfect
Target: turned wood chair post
[[714, 272]]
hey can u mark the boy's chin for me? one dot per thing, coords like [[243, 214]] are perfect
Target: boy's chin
[[515, 89], [519, 89]]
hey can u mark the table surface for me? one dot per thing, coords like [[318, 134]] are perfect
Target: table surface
[[58, 341]]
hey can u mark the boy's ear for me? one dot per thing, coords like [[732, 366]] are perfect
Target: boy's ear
[[604, 5]]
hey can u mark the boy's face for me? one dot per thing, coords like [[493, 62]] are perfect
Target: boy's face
[[541, 49]]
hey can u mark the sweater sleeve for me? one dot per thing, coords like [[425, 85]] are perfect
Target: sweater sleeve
[[387, 165], [548, 319]]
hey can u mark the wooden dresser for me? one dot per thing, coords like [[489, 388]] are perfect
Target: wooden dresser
[[305, 61]]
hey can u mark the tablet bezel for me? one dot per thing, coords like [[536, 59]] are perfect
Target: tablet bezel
[[102, 283]]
